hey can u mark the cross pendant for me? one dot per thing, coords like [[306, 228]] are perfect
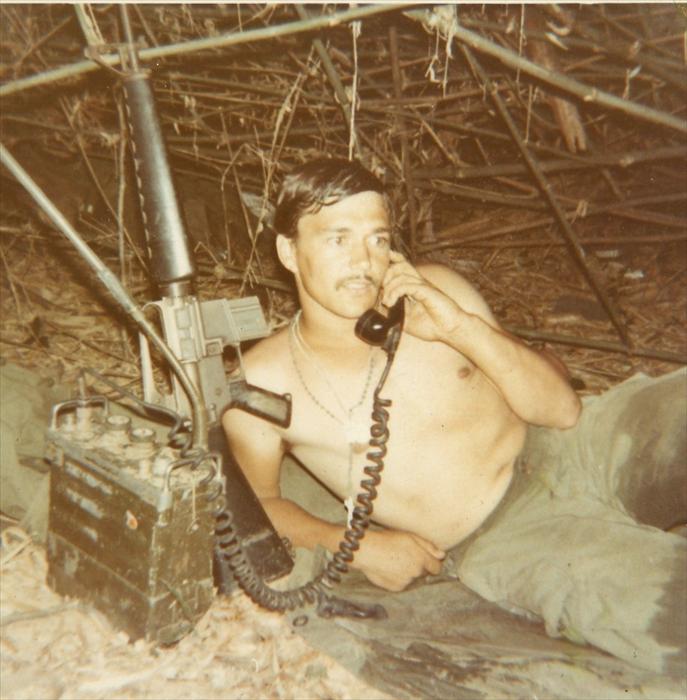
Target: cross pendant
[[349, 504]]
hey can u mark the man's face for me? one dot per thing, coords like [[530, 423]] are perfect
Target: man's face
[[340, 254]]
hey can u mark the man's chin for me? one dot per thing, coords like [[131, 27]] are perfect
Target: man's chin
[[350, 314], [355, 311]]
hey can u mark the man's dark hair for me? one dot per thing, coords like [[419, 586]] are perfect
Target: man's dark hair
[[309, 187]]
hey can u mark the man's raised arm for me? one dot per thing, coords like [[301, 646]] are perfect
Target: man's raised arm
[[448, 309]]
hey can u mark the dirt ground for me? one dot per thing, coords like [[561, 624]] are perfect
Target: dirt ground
[[53, 647]]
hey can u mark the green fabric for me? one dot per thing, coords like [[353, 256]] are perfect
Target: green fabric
[[566, 548], [25, 401]]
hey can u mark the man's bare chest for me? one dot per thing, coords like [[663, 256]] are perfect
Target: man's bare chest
[[437, 409]]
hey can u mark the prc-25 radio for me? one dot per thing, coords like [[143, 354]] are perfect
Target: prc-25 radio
[[149, 512], [134, 507]]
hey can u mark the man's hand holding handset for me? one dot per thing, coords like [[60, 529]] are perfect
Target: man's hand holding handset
[[430, 314], [534, 383]]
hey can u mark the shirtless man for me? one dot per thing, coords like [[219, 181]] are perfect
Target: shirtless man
[[462, 389]]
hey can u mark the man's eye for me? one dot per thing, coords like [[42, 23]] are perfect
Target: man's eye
[[382, 241], [336, 240]]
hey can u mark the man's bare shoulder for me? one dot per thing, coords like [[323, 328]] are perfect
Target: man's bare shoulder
[[268, 359], [458, 288], [442, 275]]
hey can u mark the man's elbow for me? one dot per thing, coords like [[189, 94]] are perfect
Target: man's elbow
[[561, 412], [570, 412]]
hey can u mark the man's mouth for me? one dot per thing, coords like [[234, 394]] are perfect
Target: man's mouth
[[357, 283]]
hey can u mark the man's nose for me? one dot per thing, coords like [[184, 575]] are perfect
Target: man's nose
[[360, 256]]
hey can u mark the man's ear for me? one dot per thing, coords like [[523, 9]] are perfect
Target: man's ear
[[286, 251]]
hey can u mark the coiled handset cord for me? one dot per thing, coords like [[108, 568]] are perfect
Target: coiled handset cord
[[229, 546]]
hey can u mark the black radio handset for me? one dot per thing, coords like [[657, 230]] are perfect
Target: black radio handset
[[383, 331]]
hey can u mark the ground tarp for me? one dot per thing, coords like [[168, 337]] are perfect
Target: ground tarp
[[440, 641]]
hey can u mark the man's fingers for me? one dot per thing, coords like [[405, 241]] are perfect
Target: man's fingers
[[433, 566], [400, 266], [403, 285], [430, 547]]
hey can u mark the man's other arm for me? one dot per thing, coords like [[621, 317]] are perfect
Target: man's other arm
[[258, 448], [535, 384], [390, 559]]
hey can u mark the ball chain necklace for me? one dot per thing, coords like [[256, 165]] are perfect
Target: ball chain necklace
[[296, 340]]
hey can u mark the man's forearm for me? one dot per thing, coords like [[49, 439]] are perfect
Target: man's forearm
[[300, 527], [535, 388]]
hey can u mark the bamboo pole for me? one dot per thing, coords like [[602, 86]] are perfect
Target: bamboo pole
[[629, 52], [586, 92], [195, 45], [593, 210], [636, 42], [649, 217], [478, 194], [35, 46], [405, 150], [334, 79], [546, 189], [549, 243], [622, 160], [88, 26], [529, 334]]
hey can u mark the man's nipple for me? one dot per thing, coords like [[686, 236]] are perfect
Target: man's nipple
[[464, 372]]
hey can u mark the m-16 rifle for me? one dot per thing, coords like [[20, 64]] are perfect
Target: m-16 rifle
[[199, 331]]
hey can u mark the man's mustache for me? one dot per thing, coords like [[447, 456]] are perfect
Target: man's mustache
[[357, 278]]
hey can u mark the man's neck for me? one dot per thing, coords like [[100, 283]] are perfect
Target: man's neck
[[331, 335]]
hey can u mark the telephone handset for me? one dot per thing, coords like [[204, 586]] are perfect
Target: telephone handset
[[383, 331]]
